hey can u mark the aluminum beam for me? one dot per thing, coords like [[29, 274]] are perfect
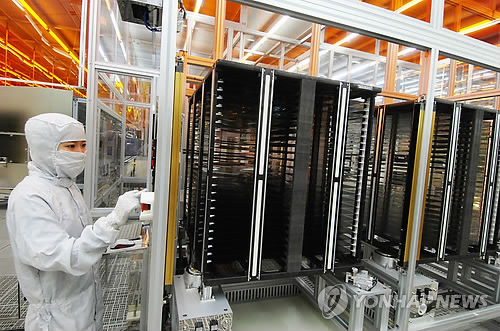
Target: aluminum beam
[[166, 87], [380, 23]]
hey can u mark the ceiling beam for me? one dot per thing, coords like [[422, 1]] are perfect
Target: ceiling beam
[[359, 17]]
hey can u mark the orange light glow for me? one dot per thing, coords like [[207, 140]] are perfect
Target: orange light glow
[[46, 27], [32, 64], [479, 26], [407, 6]]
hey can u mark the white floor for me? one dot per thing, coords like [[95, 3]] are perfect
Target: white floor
[[291, 313]]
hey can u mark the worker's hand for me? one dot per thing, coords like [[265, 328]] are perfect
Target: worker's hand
[[126, 203]]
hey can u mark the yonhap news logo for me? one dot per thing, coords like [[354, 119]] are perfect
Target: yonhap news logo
[[332, 301]]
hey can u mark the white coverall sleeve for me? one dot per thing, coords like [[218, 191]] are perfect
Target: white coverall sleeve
[[43, 242]]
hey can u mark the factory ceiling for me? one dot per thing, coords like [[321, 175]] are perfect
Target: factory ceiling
[[40, 39]]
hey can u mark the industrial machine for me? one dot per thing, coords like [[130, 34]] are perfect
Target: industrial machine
[[300, 184], [459, 218], [276, 174]]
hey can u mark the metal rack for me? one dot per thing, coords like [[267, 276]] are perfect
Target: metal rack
[[461, 181], [276, 170]]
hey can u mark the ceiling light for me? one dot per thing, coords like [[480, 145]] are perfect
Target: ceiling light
[[303, 63], [57, 50], [263, 39], [46, 27], [33, 24], [198, 6], [407, 51], [355, 70], [45, 42], [408, 5], [479, 26], [346, 39], [34, 64], [18, 4]]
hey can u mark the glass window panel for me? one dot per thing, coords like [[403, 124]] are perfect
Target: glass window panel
[[324, 63], [442, 80], [124, 104], [202, 43], [362, 71], [138, 89], [483, 79], [380, 81], [407, 80], [340, 66], [136, 142], [461, 77], [125, 42], [108, 160], [486, 102]]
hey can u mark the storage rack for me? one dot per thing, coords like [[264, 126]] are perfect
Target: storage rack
[[276, 170], [459, 219]]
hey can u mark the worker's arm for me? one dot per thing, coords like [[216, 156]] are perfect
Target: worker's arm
[[42, 241]]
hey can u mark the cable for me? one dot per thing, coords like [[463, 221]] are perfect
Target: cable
[[181, 4], [375, 282], [152, 29]]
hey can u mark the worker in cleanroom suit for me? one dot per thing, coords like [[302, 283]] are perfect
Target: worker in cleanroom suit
[[56, 245]]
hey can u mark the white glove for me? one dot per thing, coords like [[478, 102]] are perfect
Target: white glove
[[126, 203]]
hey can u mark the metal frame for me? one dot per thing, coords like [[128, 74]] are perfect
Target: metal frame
[[383, 24], [166, 86], [490, 189], [450, 169], [154, 289], [336, 176], [260, 173]]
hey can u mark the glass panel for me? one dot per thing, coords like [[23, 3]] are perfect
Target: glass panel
[[380, 81], [138, 89], [231, 171], [136, 142], [122, 164], [124, 42], [353, 180], [340, 66], [408, 80], [438, 163], [324, 64], [483, 79], [108, 160], [442, 80], [202, 43], [461, 78], [362, 71]]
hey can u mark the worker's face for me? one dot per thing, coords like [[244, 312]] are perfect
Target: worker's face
[[73, 146]]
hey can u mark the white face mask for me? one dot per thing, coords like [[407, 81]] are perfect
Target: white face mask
[[69, 164]]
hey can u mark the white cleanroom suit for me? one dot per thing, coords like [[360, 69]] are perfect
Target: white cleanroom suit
[[55, 244]]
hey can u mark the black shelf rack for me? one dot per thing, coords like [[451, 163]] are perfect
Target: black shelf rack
[[277, 173], [460, 213]]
